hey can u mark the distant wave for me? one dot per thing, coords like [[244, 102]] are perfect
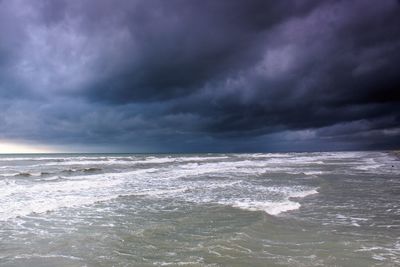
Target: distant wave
[[266, 182]]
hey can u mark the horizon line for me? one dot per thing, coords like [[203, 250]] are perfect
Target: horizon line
[[194, 152]]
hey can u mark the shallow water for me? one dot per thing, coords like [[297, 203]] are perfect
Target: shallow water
[[288, 209]]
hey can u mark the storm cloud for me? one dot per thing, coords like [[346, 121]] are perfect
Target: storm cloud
[[186, 75]]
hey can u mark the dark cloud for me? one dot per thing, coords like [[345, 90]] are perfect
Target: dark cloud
[[201, 75], [180, 46]]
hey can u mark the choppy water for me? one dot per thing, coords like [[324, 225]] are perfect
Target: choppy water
[[289, 209]]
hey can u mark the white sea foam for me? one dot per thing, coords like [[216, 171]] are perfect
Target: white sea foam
[[19, 199], [314, 172], [368, 167], [128, 160], [201, 181], [270, 207], [29, 158], [302, 194], [9, 174], [275, 207]]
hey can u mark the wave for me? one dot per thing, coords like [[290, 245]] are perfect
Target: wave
[[85, 170], [24, 199], [272, 208], [20, 199], [220, 182], [134, 161], [29, 174]]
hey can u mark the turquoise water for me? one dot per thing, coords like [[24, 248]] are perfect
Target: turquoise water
[[288, 209]]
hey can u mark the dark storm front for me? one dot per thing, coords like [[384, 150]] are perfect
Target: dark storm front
[[288, 209]]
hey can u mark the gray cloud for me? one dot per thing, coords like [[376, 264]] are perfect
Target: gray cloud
[[201, 75]]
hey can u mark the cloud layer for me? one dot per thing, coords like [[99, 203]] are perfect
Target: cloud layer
[[201, 75]]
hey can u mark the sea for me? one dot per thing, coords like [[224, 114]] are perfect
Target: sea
[[272, 209]]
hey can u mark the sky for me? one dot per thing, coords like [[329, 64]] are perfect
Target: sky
[[200, 76]]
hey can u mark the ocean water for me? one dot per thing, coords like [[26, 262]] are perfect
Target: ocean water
[[287, 209]]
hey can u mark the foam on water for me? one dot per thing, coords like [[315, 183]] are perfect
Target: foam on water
[[183, 180], [191, 182], [272, 208], [124, 161], [23, 199]]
